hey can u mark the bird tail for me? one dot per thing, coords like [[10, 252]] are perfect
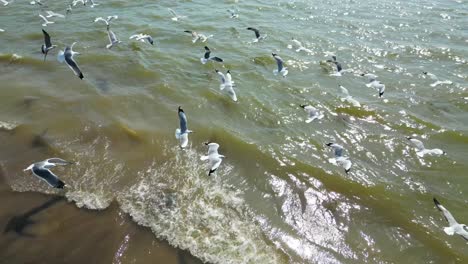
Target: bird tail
[[204, 158], [177, 133]]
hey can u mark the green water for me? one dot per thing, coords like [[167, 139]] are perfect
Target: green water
[[276, 198]]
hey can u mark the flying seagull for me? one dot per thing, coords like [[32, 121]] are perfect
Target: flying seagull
[[107, 21], [112, 39], [42, 171], [233, 13], [67, 56], [454, 227], [93, 4], [53, 14], [421, 150], [279, 62], [339, 159], [69, 10], [300, 47], [313, 113], [207, 57], [142, 38], [196, 36], [35, 2], [182, 133], [5, 3], [339, 69], [47, 44], [436, 79], [75, 2], [46, 22], [257, 34], [348, 98], [176, 17], [213, 156], [227, 83], [374, 83]]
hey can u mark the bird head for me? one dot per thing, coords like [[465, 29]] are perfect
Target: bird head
[[329, 144], [274, 54], [363, 74], [228, 71], [28, 168], [347, 171], [303, 105], [180, 109], [207, 143], [425, 72], [206, 48], [409, 138], [216, 70]]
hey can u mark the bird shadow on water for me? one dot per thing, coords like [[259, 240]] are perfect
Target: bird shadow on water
[[19, 223]]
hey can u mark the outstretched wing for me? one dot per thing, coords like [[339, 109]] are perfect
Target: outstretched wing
[[257, 33], [47, 39], [448, 216], [207, 52], [221, 75], [72, 64], [47, 176], [182, 121]]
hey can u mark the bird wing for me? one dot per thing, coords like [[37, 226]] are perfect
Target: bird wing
[[218, 59], [47, 176], [344, 90], [47, 39], [279, 62], [45, 19], [112, 37], [257, 33], [338, 66], [221, 75], [448, 216], [207, 52], [100, 19], [72, 64], [229, 77], [338, 149], [182, 121], [215, 161], [109, 18], [417, 143], [172, 12], [58, 161], [231, 92]]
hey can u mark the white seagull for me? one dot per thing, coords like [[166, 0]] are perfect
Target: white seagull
[[93, 4], [233, 13], [436, 79], [42, 171], [228, 84], [176, 17], [279, 62], [312, 112], [348, 98], [46, 22], [257, 34], [67, 56], [299, 45], [213, 156], [182, 133], [142, 37], [75, 2], [421, 150], [374, 83], [112, 39], [47, 44], [207, 57], [339, 158], [53, 14], [454, 227], [196, 36], [5, 3], [107, 21]]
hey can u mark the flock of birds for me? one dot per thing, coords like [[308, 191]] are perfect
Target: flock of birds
[[42, 169]]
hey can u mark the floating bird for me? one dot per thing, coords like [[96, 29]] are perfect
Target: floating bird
[[196, 36], [228, 84], [182, 133], [233, 14], [107, 21], [421, 150], [279, 62], [436, 79], [176, 17], [47, 44], [374, 83], [112, 39], [339, 159], [213, 156], [348, 98], [454, 227], [5, 3], [257, 34], [67, 56], [312, 112], [207, 57], [42, 171], [142, 38], [46, 22], [53, 14]]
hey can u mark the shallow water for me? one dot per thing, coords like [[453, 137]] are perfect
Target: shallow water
[[276, 198]]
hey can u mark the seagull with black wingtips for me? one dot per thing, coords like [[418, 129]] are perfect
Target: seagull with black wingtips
[[207, 57], [47, 46], [42, 171]]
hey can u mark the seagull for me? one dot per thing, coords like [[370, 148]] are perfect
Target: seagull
[[233, 13], [454, 227], [348, 98], [46, 22], [421, 150], [42, 171], [339, 158], [47, 44], [196, 36], [257, 34], [112, 39], [176, 17], [213, 156], [339, 70], [142, 37], [36, 2], [279, 62], [207, 57], [69, 10], [182, 133], [67, 56], [436, 79], [374, 83], [53, 14], [300, 47], [228, 84], [75, 2], [5, 3], [313, 113], [107, 21], [93, 4]]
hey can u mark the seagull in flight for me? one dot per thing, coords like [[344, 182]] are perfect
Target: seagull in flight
[[47, 44], [374, 83], [299, 45], [42, 171], [67, 56], [93, 4], [233, 14], [176, 17], [279, 62], [5, 3], [227, 83], [213, 157], [107, 21], [313, 113], [35, 2], [69, 10], [53, 14], [339, 159], [421, 150], [257, 34], [113, 41], [196, 36], [339, 69], [75, 2], [182, 133], [46, 22], [348, 98], [142, 37], [207, 57], [436, 79], [454, 227]]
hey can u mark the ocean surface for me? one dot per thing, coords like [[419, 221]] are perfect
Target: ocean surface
[[277, 197]]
